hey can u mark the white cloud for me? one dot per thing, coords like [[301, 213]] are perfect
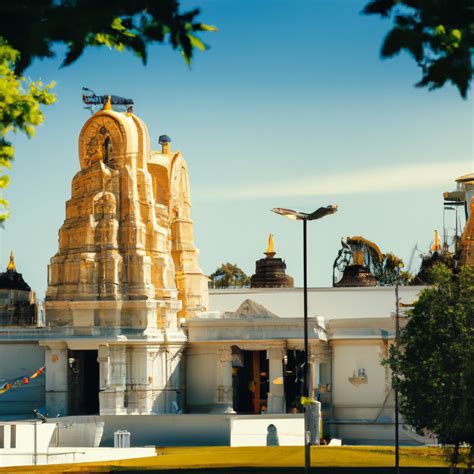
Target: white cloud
[[370, 180]]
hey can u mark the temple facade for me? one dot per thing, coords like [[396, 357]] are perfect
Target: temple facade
[[129, 329], [125, 274]]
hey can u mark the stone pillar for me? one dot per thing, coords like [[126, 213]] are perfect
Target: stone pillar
[[175, 398], [223, 399], [315, 422], [276, 396], [56, 363], [314, 374], [113, 365], [153, 379]]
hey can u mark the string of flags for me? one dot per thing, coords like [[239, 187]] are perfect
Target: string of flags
[[20, 381]]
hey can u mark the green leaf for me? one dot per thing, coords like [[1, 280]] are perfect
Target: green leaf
[[196, 42], [204, 27]]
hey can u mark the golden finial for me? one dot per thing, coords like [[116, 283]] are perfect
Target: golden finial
[[436, 247], [108, 104], [11, 264], [270, 252]]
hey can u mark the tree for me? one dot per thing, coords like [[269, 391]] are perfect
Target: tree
[[433, 368], [19, 109], [438, 34], [30, 29], [229, 276], [389, 271]]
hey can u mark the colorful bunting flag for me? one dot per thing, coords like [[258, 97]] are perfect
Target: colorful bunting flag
[[38, 372], [20, 381]]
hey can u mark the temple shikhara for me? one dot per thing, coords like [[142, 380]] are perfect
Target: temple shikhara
[[129, 327], [126, 271]]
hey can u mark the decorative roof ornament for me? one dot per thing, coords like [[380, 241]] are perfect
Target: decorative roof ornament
[[108, 104], [270, 272], [11, 265], [164, 139], [270, 252], [436, 247]]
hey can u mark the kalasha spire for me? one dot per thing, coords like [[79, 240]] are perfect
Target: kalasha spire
[[270, 252], [11, 265]]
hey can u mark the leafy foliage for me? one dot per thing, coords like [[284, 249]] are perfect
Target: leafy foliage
[[229, 276], [20, 111], [33, 27], [389, 271], [30, 28], [439, 35], [434, 367]]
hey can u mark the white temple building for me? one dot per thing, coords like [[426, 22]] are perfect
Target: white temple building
[[131, 330]]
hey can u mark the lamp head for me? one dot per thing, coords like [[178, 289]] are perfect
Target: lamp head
[[290, 213], [304, 216], [322, 212]]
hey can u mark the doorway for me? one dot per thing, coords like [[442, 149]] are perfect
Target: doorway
[[250, 381], [83, 382], [294, 380]]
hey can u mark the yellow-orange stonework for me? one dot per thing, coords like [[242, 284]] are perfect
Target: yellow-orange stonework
[[126, 259], [127, 236]]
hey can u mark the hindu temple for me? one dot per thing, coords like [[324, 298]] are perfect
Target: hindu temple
[[125, 274]]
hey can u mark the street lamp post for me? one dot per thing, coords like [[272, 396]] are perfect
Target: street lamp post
[[397, 343], [305, 217]]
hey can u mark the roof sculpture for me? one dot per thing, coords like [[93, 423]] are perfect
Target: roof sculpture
[[270, 272], [17, 301], [11, 279]]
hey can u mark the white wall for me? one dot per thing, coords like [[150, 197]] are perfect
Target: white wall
[[359, 401], [192, 429], [201, 377], [252, 430], [22, 436], [71, 455], [331, 303]]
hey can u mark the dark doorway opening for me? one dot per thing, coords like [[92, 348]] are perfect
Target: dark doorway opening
[[83, 382], [250, 381], [294, 387]]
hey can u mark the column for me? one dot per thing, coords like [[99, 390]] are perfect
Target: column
[[314, 374], [315, 422], [56, 363], [223, 398], [150, 381], [112, 362], [175, 379], [314, 409], [276, 395]]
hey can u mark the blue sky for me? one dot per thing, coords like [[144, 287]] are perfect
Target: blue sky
[[291, 107]]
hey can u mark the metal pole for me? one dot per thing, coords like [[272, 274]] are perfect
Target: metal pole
[[397, 335], [307, 433]]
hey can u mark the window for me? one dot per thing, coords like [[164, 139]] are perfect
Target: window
[[12, 436]]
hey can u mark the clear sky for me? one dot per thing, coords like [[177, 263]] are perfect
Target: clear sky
[[291, 107]]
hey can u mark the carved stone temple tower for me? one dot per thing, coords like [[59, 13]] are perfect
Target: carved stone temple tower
[[125, 273]]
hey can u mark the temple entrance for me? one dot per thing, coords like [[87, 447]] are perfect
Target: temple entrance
[[83, 381], [294, 387], [250, 381]]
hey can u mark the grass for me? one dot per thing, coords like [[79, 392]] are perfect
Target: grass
[[269, 458]]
